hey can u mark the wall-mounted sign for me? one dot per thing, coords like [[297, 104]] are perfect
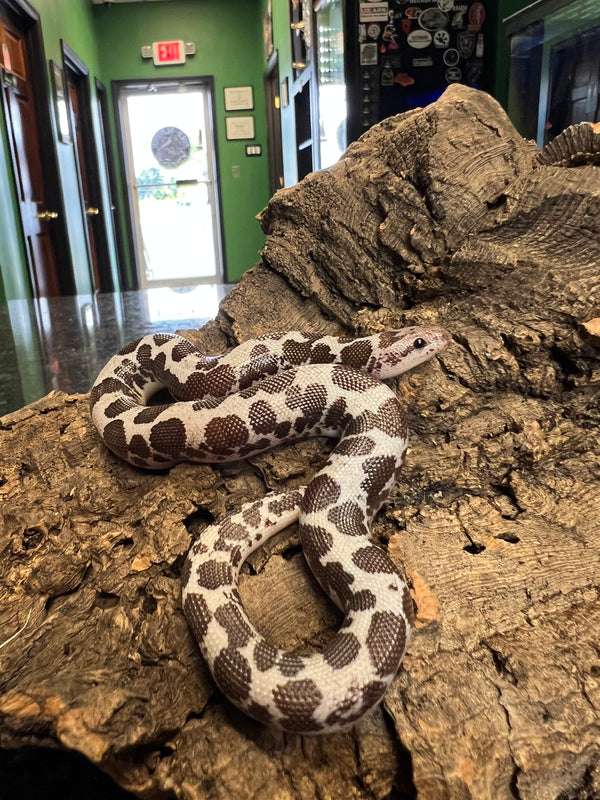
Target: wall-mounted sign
[[374, 13], [239, 127], [239, 98], [172, 52]]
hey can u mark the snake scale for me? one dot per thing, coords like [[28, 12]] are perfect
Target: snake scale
[[278, 388]]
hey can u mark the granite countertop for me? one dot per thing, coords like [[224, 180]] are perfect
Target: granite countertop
[[62, 343]]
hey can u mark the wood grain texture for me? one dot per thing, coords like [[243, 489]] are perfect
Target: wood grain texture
[[442, 215]]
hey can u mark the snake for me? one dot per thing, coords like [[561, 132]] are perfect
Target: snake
[[281, 387]]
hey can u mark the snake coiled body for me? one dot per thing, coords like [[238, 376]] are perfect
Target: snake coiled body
[[278, 388]]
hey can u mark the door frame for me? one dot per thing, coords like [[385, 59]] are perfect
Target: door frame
[[79, 70], [116, 88], [24, 17]]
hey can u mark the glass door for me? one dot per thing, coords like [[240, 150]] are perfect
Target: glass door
[[171, 181], [329, 35]]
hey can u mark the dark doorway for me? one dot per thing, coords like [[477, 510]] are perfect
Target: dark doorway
[[273, 105], [79, 99], [26, 111], [574, 82]]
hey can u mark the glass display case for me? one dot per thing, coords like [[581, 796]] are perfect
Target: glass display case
[[554, 67]]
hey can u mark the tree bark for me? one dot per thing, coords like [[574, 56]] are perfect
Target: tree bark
[[441, 215]]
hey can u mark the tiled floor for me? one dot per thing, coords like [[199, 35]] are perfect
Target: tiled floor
[[62, 343]]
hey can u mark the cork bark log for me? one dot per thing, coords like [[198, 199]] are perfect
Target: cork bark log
[[442, 215]]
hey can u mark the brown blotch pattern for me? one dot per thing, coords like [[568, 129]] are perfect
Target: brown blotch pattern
[[390, 419], [298, 700], [363, 600], [341, 650], [197, 614], [379, 473], [213, 574], [316, 406], [317, 541], [224, 434], [356, 354], [229, 617], [115, 437], [265, 655], [349, 519], [287, 503], [168, 436], [321, 492], [296, 353], [351, 380], [117, 407], [148, 414], [182, 349], [233, 674], [262, 417], [386, 641], [251, 517], [139, 447], [355, 446], [373, 560], [290, 665], [130, 348]]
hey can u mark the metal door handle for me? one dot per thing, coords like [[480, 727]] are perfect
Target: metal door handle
[[92, 211], [47, 215]]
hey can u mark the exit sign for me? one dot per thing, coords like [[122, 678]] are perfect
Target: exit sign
[[168, 52]]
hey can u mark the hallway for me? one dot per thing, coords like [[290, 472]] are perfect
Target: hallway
[[63, 342]]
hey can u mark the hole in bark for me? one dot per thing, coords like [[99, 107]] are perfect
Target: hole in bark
[[595, 670], [106, 600], [474, 548], [508, 537], [291, 551], [127, 542], [149, 604], [201, 515], [2, 480], [564, 360], [32, 538], [63, 428], [498, 203], [33, 772]]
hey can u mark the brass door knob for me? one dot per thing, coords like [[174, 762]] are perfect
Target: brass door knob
[[92, 211], [47, 215]]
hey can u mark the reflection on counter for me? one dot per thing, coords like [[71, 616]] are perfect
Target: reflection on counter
[[62, 343]]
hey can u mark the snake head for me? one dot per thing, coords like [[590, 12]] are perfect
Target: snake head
[[405, 348]]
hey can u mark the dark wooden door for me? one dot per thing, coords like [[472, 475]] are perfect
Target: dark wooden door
[[37, 216], [91, 211], [88, 167], [274, 145], [585, 106]]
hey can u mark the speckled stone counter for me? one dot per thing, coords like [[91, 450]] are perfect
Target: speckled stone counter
[[62, 343]]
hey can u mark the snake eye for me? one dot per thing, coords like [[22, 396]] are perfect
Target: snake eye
[[419, 343]]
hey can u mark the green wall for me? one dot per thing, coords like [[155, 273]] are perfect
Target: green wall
[[228, 39]]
